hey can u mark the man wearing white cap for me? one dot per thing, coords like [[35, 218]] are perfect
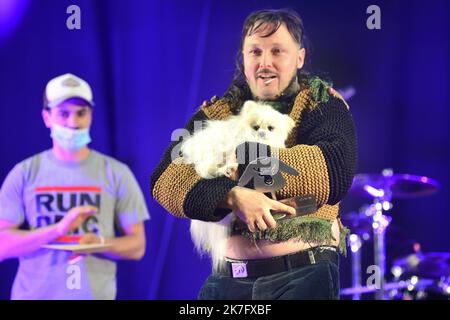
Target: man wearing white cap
[[70, 193]]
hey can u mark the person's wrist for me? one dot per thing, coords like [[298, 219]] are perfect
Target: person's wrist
[[229, 200], [232, 196]]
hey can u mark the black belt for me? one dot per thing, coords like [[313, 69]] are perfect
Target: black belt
[[264, 267]]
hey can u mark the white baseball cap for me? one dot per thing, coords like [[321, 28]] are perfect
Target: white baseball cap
[[65, 87]]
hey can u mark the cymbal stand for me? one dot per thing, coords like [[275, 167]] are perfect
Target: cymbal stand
[[355, 246], [380, 223]]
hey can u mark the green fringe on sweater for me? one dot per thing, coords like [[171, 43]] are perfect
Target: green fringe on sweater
[[319, 89], [307, 229], [343, 240]]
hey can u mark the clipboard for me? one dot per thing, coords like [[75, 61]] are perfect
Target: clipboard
[[79, 248]]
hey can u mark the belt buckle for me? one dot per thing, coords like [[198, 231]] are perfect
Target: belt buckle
[[239, 269]]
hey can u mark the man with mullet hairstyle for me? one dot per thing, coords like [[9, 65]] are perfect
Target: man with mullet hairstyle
[[297, 257]]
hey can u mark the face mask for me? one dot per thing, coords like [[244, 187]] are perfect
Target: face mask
[[70, 139]]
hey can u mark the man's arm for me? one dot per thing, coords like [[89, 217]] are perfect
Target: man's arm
[[325, 154], [129, 246], [130, 212], [16, 243], [180, 190]]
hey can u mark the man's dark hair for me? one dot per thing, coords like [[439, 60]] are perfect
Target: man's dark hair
[[268, 21]]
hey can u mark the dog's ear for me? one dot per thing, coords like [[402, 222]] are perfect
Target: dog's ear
[[248, 106], [289, 123]]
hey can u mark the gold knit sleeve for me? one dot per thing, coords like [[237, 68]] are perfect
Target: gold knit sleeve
[[313, 173], [176, 185], [173, 186]]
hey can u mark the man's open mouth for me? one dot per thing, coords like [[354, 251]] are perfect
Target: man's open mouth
[[267, 78]]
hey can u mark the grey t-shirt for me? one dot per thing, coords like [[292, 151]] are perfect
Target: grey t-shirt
[[39, 191]]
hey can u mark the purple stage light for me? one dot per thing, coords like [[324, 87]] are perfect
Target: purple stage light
[[11, 12]]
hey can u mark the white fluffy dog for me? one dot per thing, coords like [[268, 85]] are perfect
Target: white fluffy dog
[[212, 152]]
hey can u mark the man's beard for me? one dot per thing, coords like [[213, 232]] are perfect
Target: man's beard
[[292, 89]]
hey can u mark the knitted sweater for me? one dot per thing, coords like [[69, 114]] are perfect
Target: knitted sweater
[[322, 147]]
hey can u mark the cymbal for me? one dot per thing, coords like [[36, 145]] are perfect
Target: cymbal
[[432, 265], [400, 186], [361, 225]]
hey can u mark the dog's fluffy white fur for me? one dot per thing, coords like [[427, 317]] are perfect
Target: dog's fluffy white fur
[[212, 152]]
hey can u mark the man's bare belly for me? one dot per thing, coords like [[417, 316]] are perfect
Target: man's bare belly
[[240, 247]]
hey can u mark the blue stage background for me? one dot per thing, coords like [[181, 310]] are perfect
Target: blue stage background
[[152, 63]]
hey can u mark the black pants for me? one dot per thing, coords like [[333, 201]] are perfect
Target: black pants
[[313, 282]]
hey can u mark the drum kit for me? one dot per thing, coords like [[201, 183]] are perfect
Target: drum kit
[[417, 276]]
